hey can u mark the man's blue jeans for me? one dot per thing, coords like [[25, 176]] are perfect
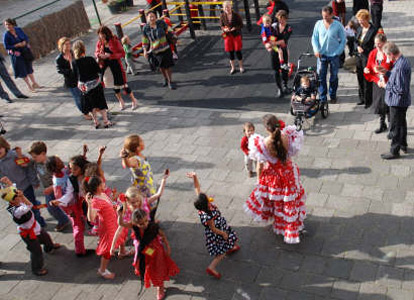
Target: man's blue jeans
[[56, 211], [30, 195], [323, 63]]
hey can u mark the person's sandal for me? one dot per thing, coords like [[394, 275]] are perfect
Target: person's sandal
[[108, 124], [41, 272], [106, 274], [234, 249]]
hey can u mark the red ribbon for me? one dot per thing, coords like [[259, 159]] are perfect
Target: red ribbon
[[29, 232]]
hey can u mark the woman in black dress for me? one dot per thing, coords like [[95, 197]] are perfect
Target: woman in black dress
[[364, 44], [88, 73]]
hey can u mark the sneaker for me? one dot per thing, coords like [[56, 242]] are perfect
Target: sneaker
[[7, 100], [165, 83], [171, 86], [106, 274]]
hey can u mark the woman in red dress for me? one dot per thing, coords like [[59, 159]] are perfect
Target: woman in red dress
[[152, 252], [377, 58], [99, 205], [278, 195], [231, 24]]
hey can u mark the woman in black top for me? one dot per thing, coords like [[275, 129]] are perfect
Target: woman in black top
[[365, 39], [64, 67], [282, 32], [88, 72]]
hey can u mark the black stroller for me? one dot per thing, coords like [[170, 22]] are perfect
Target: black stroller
[[302, 109]]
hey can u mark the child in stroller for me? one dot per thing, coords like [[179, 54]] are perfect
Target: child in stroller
[[305, 96]]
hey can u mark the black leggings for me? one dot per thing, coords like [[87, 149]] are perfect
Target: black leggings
[[238, 54], [127, 90]]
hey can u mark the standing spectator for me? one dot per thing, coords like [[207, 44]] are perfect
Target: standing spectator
[[328, 41], [9, 82], [154, 43], [109, 52], [378, 58], [16, 42], [398, 98], [358, 5], [64, 66], [339, 10], [87, 71], [364, 45], [376, 12], [231, 24]]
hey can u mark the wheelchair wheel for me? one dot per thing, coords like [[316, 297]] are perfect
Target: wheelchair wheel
[[324, 110]]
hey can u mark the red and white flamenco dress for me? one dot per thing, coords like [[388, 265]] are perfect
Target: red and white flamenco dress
[[279, 195]]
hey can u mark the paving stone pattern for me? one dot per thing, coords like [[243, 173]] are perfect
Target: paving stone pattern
[[359, 243]]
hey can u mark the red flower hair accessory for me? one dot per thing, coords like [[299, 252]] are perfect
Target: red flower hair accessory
[[122, 197], [282, 124], [87, 179]]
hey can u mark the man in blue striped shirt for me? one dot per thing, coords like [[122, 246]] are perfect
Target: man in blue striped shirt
[[398, 98], [328, 42]]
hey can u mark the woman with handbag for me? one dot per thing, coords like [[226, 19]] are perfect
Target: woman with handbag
[[156, 47], [109, 52], [64, 66], [16, 43], [88, 73]]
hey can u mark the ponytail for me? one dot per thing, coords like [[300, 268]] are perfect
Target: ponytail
[[91, 184], [275, 127], [280, 150]]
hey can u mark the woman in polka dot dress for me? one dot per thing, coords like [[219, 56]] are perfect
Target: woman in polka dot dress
[[220, 238]]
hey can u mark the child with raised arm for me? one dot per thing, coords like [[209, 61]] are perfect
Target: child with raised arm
[[70, 196], [32, 234], [133, 201], [100, 206], [220, 238], [152, 251], [133, 159]]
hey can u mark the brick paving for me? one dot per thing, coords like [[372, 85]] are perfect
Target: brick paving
[[359, 243]]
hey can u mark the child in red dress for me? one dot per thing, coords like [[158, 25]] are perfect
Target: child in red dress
[[133, 200], [99, 205], [152, 258]]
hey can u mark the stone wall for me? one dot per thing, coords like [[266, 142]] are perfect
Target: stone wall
[[44, 32]]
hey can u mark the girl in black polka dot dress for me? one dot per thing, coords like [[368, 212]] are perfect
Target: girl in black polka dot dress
[[220, 238]]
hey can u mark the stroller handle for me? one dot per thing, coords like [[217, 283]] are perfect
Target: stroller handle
[[306, 54]]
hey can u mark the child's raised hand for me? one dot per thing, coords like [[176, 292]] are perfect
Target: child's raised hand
[[85, 149], [191, 174], [102, 150], [166, 174]]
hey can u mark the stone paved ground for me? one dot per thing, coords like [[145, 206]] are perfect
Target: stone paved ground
[[360, 208]]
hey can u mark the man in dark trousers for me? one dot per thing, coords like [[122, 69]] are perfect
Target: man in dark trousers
[[376, 12], [9, 82], [398, 98]]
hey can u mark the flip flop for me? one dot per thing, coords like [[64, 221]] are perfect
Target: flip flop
[[106, 274]]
